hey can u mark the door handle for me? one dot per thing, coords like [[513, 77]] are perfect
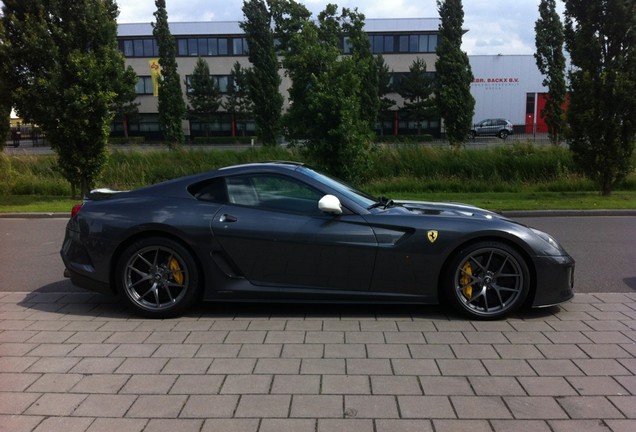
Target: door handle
[[227, 218]]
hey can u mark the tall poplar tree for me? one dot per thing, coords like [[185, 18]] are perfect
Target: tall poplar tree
[[600, 36], [263, 79], [172, 108], [455, 104], [549, 40], [5, 90], [65, 76]]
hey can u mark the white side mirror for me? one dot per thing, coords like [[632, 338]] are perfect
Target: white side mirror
[[330, 204]]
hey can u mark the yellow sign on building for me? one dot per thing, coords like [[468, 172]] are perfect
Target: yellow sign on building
[[155, 74]]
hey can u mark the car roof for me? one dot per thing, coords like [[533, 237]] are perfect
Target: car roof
[[282, 164]]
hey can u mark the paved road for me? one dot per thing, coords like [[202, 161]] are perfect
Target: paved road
[[603, 247], [80, 363]]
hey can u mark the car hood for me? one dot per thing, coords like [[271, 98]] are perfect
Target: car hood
[[450, 209]]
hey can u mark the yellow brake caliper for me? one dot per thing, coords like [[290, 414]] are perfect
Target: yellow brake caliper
[[177, 274], [467, 287]]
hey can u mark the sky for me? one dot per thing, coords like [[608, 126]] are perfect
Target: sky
[[494, 26]]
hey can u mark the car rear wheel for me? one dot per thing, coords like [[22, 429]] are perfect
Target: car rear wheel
[[157, 277], [487, 280], [503, 134]]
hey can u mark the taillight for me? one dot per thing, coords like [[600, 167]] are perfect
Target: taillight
[[75, 210]]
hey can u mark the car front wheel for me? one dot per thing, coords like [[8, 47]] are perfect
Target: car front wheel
[[157, 277], [487, 280]]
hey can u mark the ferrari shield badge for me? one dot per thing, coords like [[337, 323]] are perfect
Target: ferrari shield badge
[[432, 236]]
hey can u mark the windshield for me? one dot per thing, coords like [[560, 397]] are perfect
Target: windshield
[[363, 199]]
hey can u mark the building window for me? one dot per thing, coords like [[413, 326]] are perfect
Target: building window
[[388, 44], [392, 43], [404, 43], [144, 85], [346, 45], [432, 43], [193, 47], [213, 47], [145, 123], [138, 47], [204, 46], [223, 46], [182, 47], [377, 44], [396, 78], [223, 82], [128, 48], [239, 46]]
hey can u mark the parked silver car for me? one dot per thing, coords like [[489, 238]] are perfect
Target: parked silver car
[[492, 127]]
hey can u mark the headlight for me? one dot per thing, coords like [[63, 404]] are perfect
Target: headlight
[[552, 247]]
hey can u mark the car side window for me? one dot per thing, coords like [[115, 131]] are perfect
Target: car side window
[[213, 191], [273, 192]]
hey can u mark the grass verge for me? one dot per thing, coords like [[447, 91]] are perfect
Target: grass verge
[[496, 201]]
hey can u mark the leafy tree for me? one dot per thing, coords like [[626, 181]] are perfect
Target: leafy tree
[[66, 67], [384, 84], [601, 40], [549, 39], [416, 88], [124, 105], [352, 24], [172, 108], [238, 103], [384, 88], [455, 104], [327, 89], [262, 79], [204, 95]]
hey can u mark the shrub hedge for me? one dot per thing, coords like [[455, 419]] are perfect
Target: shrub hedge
[[407, 168]]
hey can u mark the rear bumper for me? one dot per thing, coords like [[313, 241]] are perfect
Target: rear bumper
[[79, 267], [555, 280]]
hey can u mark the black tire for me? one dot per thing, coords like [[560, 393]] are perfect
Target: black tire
[[487, 280], [503, 134], [472, 135], [157, 277]]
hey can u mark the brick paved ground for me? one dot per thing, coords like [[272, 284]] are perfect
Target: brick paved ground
[[79, 362]]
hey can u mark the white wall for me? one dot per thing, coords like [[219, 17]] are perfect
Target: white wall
[[500, 86]]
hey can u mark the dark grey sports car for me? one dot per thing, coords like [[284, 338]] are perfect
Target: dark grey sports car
[[280, 231]]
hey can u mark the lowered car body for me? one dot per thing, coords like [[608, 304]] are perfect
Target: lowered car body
[[281, 231]]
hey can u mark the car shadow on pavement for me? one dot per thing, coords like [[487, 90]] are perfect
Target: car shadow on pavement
[[63, 298]]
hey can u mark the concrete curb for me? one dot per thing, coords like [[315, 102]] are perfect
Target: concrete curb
[[34, 215], [567, 213]]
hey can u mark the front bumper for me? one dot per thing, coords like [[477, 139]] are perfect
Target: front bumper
[[555, 280]]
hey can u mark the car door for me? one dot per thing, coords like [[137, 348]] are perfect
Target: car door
[[481, 128], [272, 231]]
